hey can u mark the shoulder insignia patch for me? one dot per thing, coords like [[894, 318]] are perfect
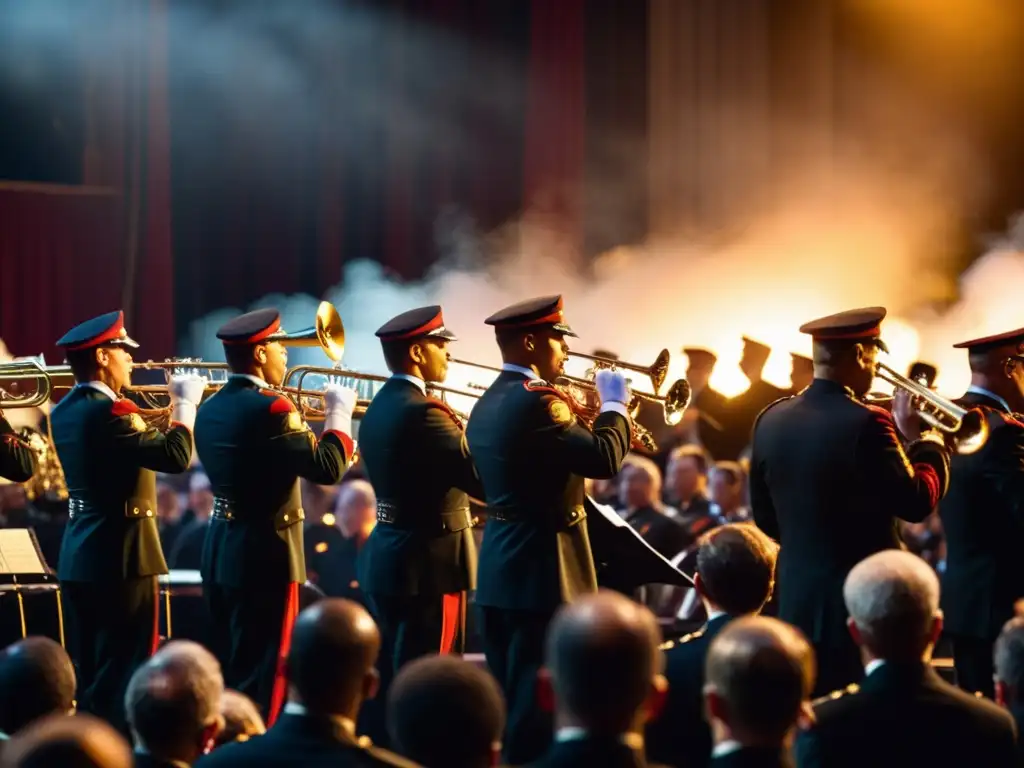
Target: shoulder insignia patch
[[559, 412], [123, 407], [137, 422], [294, 422]]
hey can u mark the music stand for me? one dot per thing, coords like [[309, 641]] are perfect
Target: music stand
[[23, 568], [177, 578]]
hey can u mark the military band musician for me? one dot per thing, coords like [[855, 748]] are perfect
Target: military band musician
[[830, 478], [532, 457], [110, 556], [420, 559], [983, 513], [254, 446]]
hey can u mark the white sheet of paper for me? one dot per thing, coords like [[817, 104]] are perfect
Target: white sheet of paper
[[616, 519], [18, 554]]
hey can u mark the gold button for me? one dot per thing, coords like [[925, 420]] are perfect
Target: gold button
[[149, 513], [135, 510], [286, 518]]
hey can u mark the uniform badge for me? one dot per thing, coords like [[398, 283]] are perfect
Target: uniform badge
[[559, 412], [138, 424], [294, 422]]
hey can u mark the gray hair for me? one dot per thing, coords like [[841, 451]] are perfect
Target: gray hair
[[1008, 657], [174, 696], [893, 598]]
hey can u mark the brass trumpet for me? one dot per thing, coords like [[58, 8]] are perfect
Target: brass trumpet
[[305, 399], [968, 428], [674, 401], [656, 371], [47, 378]]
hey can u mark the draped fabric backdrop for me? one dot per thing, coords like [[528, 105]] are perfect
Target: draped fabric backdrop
[[736, 90], [68, 253], [212, 179]]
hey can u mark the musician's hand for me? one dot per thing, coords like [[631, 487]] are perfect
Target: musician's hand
[[611, 387], [187, 387], [906, 415], [185, 392], [339, 404]]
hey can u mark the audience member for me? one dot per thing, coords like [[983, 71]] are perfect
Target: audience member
[[603, 679], [330, 669], [902, 713], [640, 505], [333, 544], [727, 486], [173, 706], [1009, 675], [430, 694], [759, 673], [37, 679], [58, 741], [242, 720], [735, 572]]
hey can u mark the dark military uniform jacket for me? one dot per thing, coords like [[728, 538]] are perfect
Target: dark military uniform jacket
[[110, 457], [681, 736], [532, 457], [905, 714], [983, 519], [254, 447], [594, 750], [828, 480], [17, 460], [303, 740], [412, 448]]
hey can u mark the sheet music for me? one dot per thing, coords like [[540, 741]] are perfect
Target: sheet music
[[18, 553], [615, 518]]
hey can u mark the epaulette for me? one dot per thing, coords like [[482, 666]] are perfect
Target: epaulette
[[124, 407], [667, 646], [279, 403], [438, 403], [837, 694], [770, 406], [542, 387]]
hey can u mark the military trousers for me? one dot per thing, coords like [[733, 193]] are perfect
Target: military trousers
[[111, 629], [513, 644], [250, 631]]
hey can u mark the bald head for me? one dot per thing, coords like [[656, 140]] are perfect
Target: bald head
[[356, 507], [70, 742], [893, 601], [758, 673], [36, 679], [334, 647], [173, 701], [603, 654]]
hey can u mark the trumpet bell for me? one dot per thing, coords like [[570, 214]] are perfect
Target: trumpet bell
[[676, 400], [659, 370], [973, 432], [328, 333]]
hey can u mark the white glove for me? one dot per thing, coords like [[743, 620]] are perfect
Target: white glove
[[186, 392], [613, 390], [339, 403]]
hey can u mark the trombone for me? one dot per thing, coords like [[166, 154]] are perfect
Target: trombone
[[968, 428]]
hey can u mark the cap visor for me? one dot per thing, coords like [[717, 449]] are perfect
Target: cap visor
[[564, 329], [128, 341], [881, 345], [443, 333]]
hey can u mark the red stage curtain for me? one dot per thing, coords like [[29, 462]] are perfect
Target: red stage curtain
[[60, 262], [128, 148]]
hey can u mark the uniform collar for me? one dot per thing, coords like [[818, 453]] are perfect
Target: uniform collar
[[726, 747], [527, 372], [575, 733], [100, 387], [347, 725], [254, 379], [420, 384], [872, 666], [976, 390]]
